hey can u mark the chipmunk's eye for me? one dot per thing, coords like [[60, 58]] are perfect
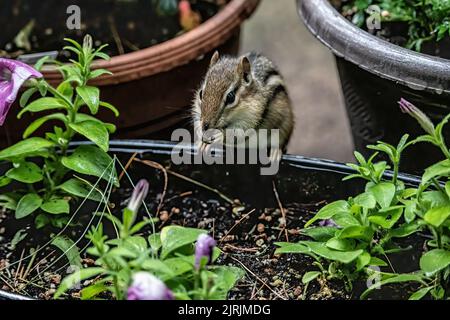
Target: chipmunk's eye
[[200, 94], [231, 97]]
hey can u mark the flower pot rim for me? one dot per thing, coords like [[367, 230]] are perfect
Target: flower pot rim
[[413, 69], [163, 147], [172, 53]]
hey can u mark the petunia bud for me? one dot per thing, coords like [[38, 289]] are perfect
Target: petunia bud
[[13, 75], [204, 248], [146, 286], [138, 196], [410, 109]]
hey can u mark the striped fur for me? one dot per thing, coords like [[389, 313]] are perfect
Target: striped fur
[[261, 99]]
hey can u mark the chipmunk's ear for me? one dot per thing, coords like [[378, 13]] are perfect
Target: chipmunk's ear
[[245, 69], [214, 59]]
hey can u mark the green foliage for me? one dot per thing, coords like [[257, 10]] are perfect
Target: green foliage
[[168, 255], [427, 19], [43, 164], [358, 234]]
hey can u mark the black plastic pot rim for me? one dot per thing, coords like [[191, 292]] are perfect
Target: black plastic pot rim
[[415, 70], [148, 147]]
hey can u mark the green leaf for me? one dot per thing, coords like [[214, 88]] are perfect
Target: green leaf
[[25, 97], [437, 170], [81, 189], [28, 204], [92, 291], [99, 72], [363, 260], [8, 202], [18, 237], [395, 279], [287, 247], [81, 117], [4, 181], [226, 279], [90, 96], [329, 211], [94, 131], [377, 262], [405, 230], [434, 261], [365, 200], [345, 220], [437, 216], [26, 172], [69, 249], [92, 161], [178, 266], [387, 218], [43, 104], [435, 199], [341, 244], [175, 237], [36, 124], [56, 206], [341, 256], [66, 89], [155, 241], [24, 148], [75, 278], [110, 107], [384, 193], [355, 232], [321, 234], [418, 295], [310, 276]]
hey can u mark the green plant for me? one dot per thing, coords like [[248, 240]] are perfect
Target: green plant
[[427, 19], [168, 256], [358, 233], [43, 165]]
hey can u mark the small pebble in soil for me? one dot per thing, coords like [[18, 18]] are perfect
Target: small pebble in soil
[[261, 228], [164, 216], [260, 242]]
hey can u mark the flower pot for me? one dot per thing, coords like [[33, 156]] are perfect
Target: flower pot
[[310, 183], [153, 87], [374, 75]]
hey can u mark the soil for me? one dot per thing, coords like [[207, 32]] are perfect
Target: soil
[[247, 237], [125, 25]]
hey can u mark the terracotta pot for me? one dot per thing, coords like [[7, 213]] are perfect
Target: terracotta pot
[[153, 87]]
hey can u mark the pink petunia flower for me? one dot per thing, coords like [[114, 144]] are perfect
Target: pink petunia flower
[[146, 286], [13, 75]]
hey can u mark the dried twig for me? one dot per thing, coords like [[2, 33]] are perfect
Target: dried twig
[[245, 216], [229, 246], [115, 34], [258, 278], [130, 161], [283, 213]]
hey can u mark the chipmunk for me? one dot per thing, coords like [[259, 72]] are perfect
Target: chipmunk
[[246, 92]]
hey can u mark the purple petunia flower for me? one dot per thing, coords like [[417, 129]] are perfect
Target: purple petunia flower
[[410, 109], [204, 248], [328, 223], [138, 196], [13, 75], [146, 286]]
